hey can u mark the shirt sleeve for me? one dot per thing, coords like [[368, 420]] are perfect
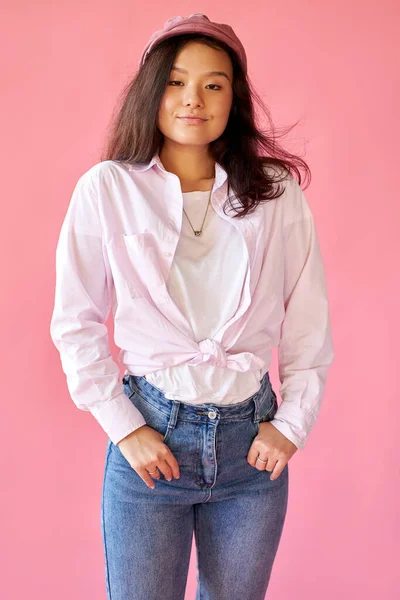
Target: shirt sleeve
[[82, 304], [305, 351]]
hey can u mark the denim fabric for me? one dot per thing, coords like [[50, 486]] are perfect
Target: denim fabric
[[234, 510]]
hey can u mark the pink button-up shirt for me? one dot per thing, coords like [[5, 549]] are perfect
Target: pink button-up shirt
[[115, 250]]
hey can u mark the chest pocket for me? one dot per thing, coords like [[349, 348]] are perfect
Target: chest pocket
[[138, 265]]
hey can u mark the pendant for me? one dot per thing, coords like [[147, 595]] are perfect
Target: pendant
[[197, 232]]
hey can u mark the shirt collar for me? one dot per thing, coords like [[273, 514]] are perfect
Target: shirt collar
[[220, 174]]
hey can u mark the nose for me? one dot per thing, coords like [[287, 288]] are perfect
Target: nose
[[192, 97]]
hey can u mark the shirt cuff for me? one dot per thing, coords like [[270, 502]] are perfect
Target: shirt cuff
[[295, 432], [118, 417]]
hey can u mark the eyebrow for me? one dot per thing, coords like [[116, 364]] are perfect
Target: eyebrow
[[222, 73]]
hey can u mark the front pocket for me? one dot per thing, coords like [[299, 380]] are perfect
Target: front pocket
[[269, 414], [127, 389], [154, 418]]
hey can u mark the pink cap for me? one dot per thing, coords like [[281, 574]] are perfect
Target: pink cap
[[197, 23]]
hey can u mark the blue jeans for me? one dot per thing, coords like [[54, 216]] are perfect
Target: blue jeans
[[234, 510]]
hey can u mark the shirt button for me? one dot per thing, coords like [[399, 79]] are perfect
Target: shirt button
[[212, 414], [167, 253]]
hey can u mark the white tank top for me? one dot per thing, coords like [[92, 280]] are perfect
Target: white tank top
[[206, 282]]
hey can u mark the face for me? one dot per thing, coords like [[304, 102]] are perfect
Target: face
[[192, 90]]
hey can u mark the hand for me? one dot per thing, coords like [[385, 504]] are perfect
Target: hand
[[145, 451], [270, 444]]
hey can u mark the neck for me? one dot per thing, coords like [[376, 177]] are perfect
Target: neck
[[195, 169]]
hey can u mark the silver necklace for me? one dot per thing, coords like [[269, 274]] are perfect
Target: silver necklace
[[199, 231]]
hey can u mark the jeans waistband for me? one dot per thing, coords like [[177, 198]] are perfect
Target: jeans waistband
[[260, 402]]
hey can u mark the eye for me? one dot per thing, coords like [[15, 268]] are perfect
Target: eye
[[213, 84]]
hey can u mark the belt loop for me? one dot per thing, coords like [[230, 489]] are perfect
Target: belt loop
[[257, 408], [174, 414]]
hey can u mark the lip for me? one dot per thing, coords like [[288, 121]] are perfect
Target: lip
[[192, 120]]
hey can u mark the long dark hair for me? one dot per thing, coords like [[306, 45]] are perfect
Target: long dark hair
[[245, 151]]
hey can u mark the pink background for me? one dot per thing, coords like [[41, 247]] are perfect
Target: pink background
[[334, 67]]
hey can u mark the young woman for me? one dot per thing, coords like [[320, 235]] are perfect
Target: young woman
[[203, 284]]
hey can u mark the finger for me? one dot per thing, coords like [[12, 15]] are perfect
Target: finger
[[155, 475], [277, 470], [165, 469], [144, 474], [173, 464], [253, 454], [261, 463]]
